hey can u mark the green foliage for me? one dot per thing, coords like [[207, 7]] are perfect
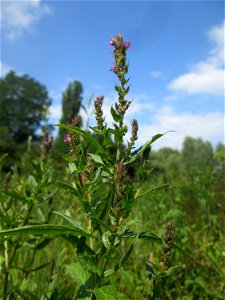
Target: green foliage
[[24, 103], [85, 231]]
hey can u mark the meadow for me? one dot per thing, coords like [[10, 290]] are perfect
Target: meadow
[[105, 221]]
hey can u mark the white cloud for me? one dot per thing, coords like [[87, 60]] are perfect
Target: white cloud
[[19, 16], [208, 126], [4, 69], [55, 112], [205, 76]]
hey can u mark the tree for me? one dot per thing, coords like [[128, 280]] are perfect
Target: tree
[[71, 104], [23, 106], [197, 156]]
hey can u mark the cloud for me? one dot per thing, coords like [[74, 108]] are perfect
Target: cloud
[[205, 77], [4, 69], [208, 126], [19, 16], [55, 112]]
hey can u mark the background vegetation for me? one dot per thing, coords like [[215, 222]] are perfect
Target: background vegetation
[[36, 267]]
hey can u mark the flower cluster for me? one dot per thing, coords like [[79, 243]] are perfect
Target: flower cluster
[[48, 142], [122, 180], [167, 246], [69, 138], [134, 136], [120, 66], [125, 45], [98, 111]]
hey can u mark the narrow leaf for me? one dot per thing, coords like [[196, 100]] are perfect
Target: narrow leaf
[[104, 224], [139, 151], [44, 229], [143, 235], [70, 188], [42, 244], [152, 190], [72, 221], [182, 251]]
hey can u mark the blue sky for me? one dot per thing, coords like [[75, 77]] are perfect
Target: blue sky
[[176, 59]]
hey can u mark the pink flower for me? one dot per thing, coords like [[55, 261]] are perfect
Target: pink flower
[[114, 68], [49, 141], [126, 45], [112, 42], [83, 177], [67, 139]]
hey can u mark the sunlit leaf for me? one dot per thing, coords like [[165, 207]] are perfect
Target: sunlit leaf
[[78, 273], [106, 292]]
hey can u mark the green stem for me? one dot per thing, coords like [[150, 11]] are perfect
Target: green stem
[[5, 291]]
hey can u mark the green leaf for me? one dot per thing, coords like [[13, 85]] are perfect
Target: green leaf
[[78, 273], [87, 136], [106, 292], [42, 244], [106, 239], [44, 229], [2, 159], [115, 115], [153, 238], [15, 195], [72, 221], [74, 241], [139, 151], [182, 251], [171, 269], [86, 257], [130, 201], [154, 279], [70, 188], [201, 281], [150, 272], [121, 263], [152, 190], [96, 158], [72, 167], [100, 222], [69, 158], [143, 235]]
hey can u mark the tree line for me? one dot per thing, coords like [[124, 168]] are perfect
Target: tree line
[[24, 104]]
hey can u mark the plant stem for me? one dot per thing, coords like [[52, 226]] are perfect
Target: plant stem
[[6, 271]]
